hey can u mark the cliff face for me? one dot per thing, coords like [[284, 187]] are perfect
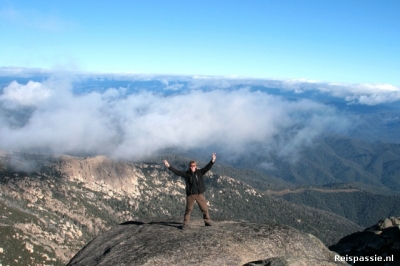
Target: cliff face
[[120, 177], [161, 242]]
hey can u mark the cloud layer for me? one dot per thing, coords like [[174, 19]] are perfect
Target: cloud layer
[[361, 93], [49, 117]]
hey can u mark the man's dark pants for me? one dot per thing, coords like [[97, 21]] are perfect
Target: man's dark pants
[[201, 201]]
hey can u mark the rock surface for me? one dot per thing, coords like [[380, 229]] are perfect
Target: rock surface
[[162, 242], [381, 239]]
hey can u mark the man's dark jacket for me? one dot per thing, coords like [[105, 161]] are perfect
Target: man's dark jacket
[[188, 175]]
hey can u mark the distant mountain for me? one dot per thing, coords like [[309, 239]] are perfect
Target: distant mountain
[[64, 202], [373, 167], [361, 207]]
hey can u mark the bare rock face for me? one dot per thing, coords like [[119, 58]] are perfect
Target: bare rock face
[[380, 240], [101, 170], [162, 242]]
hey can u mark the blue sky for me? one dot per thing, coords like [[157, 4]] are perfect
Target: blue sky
[[335, 41]]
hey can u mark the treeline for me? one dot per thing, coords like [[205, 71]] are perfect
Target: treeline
[[363, 208]]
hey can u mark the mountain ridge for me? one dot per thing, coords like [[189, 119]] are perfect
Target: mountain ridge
[[368, 166]]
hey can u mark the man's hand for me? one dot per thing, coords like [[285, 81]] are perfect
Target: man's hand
[[213, 157], [166, 163]]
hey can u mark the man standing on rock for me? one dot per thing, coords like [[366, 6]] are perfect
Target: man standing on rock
[[194, 188]]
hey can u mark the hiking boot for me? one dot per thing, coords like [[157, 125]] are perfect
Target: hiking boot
[[184, 227]]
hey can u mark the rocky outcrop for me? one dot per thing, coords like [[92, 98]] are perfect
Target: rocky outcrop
[[101, 172], [381, 240], [162, 242]]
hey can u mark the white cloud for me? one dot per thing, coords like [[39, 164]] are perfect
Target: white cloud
[[363, 93], [174, 87], [132, 125], [31, 94]]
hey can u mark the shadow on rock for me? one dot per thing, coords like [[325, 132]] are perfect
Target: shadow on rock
[[171, 224]]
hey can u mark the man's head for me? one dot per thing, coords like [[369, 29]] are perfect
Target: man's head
[[192, 166]]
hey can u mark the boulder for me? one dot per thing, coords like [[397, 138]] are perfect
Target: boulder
[[395, 220], [385, 223], [162, 242], [381, 240]]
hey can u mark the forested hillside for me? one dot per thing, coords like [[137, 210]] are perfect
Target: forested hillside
[[373, 167], [361, 207]]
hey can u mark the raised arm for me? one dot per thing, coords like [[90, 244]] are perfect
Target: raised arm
[[174, 170], [206, 168]]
